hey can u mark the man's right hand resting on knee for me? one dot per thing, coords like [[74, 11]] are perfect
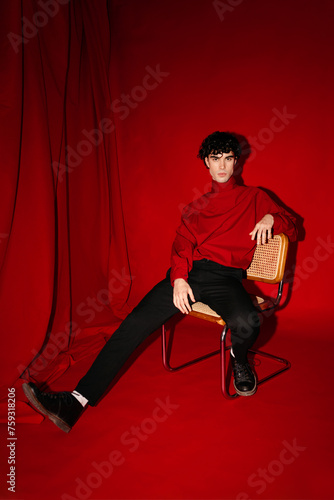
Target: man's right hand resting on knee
[[180, 295]]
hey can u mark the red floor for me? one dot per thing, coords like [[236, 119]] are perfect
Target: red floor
[[173, 436]]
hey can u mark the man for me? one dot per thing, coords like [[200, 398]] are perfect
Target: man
[[213, 246]]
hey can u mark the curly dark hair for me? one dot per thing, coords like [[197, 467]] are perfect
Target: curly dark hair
[[218, 143]]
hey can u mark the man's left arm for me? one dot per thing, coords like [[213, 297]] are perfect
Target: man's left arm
[[273, 220]]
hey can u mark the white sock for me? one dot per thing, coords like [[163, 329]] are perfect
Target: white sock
[[80, 398], [232, 354]]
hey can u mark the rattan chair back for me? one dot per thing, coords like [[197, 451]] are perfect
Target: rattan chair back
[[268, 261]]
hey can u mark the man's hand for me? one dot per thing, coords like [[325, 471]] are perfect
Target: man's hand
[[263, 229], [180, 295]]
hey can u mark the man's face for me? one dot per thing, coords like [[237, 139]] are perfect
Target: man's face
[[221, 166]]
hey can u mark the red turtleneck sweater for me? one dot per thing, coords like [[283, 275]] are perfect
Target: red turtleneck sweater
[[216, 226]]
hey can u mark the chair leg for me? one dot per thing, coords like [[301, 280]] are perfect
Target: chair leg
[[224, 382], [286, 365], [166, 354], [224, 366]]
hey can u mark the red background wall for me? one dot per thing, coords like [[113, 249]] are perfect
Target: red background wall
[[82, 241], [236, 68], [229, 74]]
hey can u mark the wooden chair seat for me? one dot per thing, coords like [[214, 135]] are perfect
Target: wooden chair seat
[[203, 311]]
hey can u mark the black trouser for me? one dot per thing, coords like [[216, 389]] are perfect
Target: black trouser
[[218, 286]]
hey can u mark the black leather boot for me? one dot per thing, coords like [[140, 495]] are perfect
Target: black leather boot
[[244, 378], [62, 408]]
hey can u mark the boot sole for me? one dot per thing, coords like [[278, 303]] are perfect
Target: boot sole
[[34, 401], [245, 393]]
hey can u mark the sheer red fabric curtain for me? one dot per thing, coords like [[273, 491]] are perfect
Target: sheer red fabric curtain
[[64, 264]]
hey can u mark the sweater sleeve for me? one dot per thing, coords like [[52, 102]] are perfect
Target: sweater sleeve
[[182, 249], [284, 221]]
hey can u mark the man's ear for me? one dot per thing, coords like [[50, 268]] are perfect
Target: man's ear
[[206, 162]]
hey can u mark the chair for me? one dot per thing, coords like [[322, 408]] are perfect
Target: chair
[[267, 266]]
